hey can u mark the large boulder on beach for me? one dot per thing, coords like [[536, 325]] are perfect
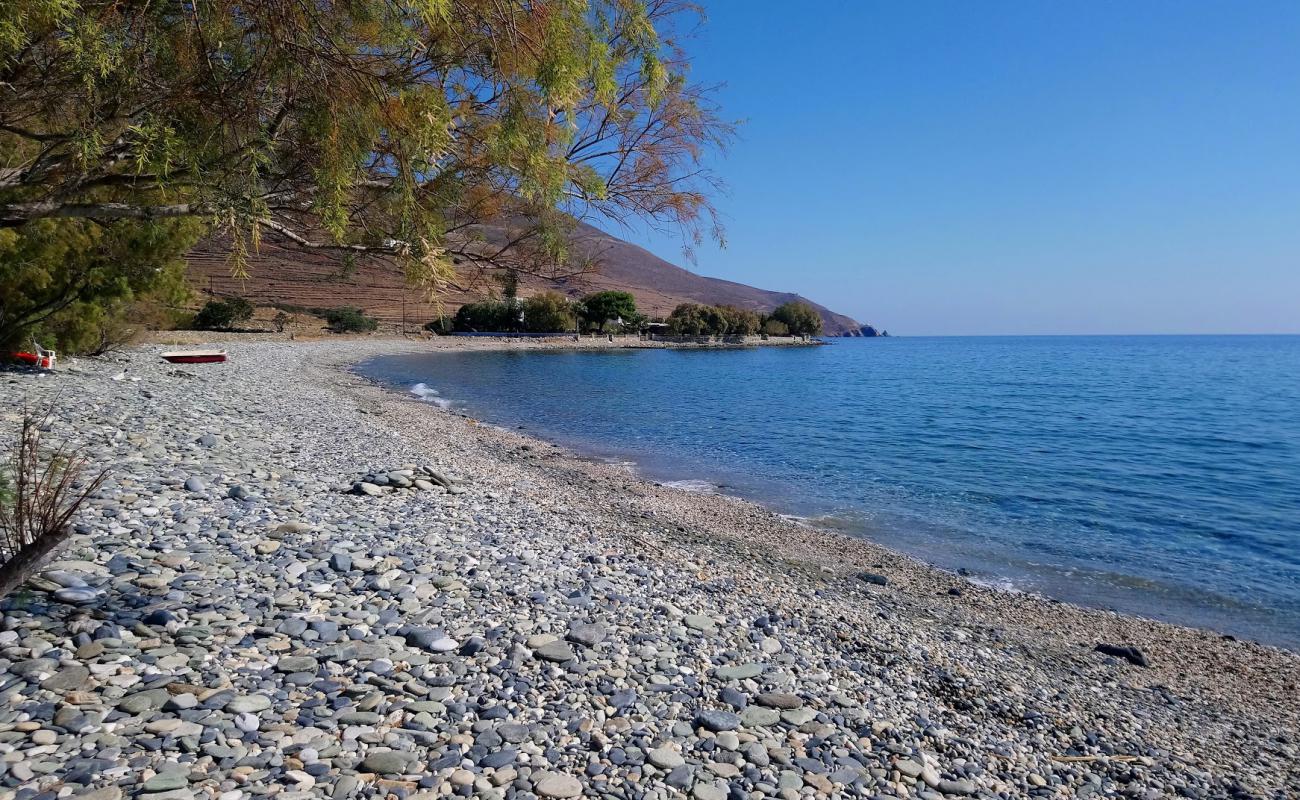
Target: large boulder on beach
[[1125, 651]]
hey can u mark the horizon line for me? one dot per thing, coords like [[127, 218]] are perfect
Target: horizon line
[[1049, 335]]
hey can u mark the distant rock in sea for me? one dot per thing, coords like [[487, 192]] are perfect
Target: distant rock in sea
[[866, 331]]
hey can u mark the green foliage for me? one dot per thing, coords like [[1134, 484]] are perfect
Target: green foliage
[[634, 323], [740, 321], [715, 321], [509, 280], [386, 126], [70, 283], [773, 327], [800, 318], [347, 268], [691, 319], [349, 320], [223, 315], [548, 312], [489, 315], [602, 307]]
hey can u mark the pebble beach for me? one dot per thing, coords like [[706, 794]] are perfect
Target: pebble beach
[[297, 584]]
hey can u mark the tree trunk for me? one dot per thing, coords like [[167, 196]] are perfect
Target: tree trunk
[[19, 568]]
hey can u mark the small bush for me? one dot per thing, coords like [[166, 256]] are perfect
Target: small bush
[[41, 490], [349, 320], [222, 315], [775, 327]]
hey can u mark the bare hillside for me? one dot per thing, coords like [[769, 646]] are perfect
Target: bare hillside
[[282, 274]]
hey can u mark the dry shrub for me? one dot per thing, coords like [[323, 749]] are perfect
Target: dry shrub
[[40, 491]]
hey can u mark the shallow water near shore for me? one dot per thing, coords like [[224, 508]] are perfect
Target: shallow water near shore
[[1153, 475]]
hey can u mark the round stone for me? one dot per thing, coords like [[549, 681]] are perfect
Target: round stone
[[759, 717], [557, 651], [736, 672], [67, 679], [779, 700], [44, 737], [248, 704], [166, 782], [386, 762], [556, 785], [717, 721], [76, 595], [296, 664], [665, 758]]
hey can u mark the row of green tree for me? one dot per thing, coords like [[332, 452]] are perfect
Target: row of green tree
[[616, 312], [550, 312], [234, 312], [790, 319]]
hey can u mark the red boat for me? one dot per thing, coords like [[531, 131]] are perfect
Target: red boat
[[42, 358], [195, 356]]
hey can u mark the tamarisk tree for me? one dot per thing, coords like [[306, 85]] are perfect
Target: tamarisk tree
[[388, 127]]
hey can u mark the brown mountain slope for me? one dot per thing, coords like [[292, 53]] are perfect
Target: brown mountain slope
[[281, 274]]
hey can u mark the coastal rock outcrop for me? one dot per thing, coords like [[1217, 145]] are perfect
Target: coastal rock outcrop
[[867, 331]]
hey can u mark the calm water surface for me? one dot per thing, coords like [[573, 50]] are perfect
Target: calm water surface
[[1154, 475]]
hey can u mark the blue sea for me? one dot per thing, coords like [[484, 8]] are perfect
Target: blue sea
[[1153, 475]]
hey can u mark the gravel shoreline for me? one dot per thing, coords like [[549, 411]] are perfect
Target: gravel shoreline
[[233, 621]]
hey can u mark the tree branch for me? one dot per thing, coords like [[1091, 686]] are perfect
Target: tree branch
[[13, 215], [390, 249]]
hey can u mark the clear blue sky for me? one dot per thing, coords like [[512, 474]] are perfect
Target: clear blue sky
[[1013, 167]]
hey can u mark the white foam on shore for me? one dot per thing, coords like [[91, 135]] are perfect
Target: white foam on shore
[[999, 584], [430, 395], [838, 524], [694, 486]]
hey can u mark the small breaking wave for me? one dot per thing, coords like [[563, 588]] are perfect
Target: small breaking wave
[[694, 486], [430, 395], [999, 584]]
